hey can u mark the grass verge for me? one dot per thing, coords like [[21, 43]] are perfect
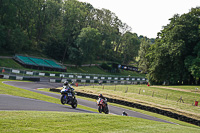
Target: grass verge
[[49, 121], [45, 122], [140, 111], [143, 95]]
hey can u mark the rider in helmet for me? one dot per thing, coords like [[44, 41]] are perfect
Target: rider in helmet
[[124, 113], [102, 97], [67, 85]]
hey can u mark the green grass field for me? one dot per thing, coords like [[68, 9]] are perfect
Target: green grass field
[[134, 109], [151, 96], [49, 121], [10, 63], [45, 122]]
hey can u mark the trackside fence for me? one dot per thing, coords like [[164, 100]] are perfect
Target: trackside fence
[[76, 77]]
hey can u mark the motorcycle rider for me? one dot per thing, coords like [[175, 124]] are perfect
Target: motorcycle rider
[[100, 108], [67, 85], [102, 97], [124, 113]]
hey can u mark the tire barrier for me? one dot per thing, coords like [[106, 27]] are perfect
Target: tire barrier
[[95, 81], [142, 107], [74, 76], [12, 77], [59, 80]]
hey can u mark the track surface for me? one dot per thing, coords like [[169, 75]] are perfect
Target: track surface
[[18, 103], [9, 102]]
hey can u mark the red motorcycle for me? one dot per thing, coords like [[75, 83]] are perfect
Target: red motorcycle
[[102, 106]]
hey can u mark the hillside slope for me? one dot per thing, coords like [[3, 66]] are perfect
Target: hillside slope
[[10, 63]]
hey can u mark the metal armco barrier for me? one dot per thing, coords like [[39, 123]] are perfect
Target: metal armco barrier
[[143, 107]]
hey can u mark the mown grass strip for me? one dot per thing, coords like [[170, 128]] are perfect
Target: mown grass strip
[[45, 122]]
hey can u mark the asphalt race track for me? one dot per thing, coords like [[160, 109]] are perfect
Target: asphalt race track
[[8, 102]]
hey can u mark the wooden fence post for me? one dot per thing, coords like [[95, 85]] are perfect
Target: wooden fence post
[[153, 94], [139, 91], [166, 96], [126, 90]]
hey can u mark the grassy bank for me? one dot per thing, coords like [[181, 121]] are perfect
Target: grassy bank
[[150, 96], [40, 121], [45, 122], [10, 63], [137, 110]]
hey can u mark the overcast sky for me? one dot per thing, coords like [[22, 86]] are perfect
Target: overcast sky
[[145, 17]]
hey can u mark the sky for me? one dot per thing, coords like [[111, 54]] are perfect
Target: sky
[[145, 17]]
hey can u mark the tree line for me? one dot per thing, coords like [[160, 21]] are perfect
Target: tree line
[[174, 58], [66, 30], [75, 31]]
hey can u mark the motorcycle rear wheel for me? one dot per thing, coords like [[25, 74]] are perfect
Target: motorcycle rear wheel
[[74, 104], [106, 110]]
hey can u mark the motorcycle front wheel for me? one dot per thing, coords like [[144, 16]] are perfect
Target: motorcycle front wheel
[[62, 99], [100, 109]]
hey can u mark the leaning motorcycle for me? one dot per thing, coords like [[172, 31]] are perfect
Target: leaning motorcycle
[[102, 106], [68, 98]]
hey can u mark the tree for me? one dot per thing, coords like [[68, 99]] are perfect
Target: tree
[[75, 15], [88, 43], [142, 54], [173, 47], [130, 47], [53, 27]]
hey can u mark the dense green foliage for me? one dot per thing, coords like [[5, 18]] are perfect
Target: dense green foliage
[[74, 31], [174, 57], [65, 30]]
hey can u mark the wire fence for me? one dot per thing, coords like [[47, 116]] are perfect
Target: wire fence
[[166, 94]]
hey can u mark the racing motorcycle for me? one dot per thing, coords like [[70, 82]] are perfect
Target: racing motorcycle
[[102, 106], [68, 97]]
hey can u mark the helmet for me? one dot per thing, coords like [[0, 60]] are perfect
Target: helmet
[[66, 83], [100, 95]]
